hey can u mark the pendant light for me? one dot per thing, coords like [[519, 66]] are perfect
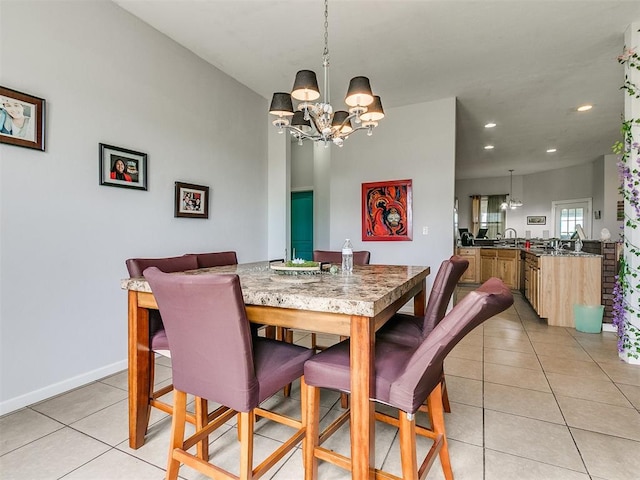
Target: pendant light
[[512, 203]]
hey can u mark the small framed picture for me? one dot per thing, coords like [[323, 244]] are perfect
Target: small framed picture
[[120, 167], [192, 201], [21, 119], [536, 220]]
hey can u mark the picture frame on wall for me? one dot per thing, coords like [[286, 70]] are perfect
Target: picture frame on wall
[[22, 119], [121, 167], [536, 220], [191, 201], [387, 211]]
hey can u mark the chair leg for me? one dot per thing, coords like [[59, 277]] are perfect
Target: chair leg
[[312, 435], [177, 432], [245, 429], [288, 337], [436, 418], [202, 419], [408, 454], [445, 395]]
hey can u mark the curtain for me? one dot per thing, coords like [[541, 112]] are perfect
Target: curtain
[[496, 217], [475, 214]]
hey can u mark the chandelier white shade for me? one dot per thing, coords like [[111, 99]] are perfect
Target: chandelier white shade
[[317, 121], [512, 202]]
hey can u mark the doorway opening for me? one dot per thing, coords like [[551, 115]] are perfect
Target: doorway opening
[[302, 225]]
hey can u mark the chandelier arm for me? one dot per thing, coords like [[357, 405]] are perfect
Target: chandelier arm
[[314, 120], [301, 133]]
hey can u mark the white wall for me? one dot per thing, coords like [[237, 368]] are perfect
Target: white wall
[[301, 166], [107, 77], [425, 153]]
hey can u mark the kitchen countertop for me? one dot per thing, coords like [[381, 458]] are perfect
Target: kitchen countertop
[[539, 252]]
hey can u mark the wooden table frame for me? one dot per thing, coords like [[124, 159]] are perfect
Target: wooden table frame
[[361, 329]]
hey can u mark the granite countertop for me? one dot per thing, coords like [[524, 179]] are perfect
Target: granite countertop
[[368, 291], [539, 252]]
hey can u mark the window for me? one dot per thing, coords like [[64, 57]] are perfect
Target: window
[[570, 213], [492, 217]]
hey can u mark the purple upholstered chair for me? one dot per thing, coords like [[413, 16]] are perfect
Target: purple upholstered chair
[[216, 259], [158, 342], [410, 330], [361, 257], [405, 376], [215, 357]]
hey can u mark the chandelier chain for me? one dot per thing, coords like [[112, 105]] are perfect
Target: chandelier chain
[[325, 54]]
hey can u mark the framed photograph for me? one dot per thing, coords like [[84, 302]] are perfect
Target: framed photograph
[[537, 220], [21, 119], [120, 167], [192, 201], [386, 211]]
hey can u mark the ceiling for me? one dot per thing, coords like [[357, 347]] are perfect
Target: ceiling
[[525, 65]]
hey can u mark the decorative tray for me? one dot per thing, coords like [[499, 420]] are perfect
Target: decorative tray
[[289, 268]]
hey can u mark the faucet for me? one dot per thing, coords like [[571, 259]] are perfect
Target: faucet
[[515, 235]]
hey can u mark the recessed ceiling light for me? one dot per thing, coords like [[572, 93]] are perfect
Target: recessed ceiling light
[[552, 150], [488, 147], [490, 125], [585, 108]]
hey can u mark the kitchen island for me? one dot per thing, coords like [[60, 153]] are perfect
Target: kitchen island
[[553, 281]]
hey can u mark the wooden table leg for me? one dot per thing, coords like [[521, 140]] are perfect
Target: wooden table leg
[[362, 409], [139, 371]]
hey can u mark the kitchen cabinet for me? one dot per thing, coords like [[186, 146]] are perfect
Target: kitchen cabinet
[[554, 283], [471, 275], [502, 263], [531, 279]]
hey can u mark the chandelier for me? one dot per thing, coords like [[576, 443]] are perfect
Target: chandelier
[[512, 203], [317, 121]]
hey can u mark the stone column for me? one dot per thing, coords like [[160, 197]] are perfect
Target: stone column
[[630, 329]]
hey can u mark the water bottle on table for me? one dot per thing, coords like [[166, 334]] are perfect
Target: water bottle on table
[[347, 257]]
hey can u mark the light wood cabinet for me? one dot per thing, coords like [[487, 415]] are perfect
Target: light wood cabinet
[[554, 283], [531, 279], [502, 263], [472, 274]]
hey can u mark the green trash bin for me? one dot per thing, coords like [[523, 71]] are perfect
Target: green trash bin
[[588, 318]]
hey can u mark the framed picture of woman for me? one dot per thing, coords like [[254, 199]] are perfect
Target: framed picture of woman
[[121, 167], [21, 119]]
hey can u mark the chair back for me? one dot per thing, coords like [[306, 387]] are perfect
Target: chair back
[[136, 266], [423, 371], [216, 259], [442, 290], [211, 347], [359, 258]]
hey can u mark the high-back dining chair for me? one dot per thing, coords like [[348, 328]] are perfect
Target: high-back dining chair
[[361, 257], [410, 330], [158, 342], [405, 376], [216, 259], [215, 357]]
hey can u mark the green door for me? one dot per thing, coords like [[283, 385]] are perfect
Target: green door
[[302, 224]]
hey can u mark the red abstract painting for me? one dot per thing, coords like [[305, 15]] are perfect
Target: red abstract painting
[[386, 211]]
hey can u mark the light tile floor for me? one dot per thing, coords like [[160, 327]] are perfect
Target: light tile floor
[[528, 402]]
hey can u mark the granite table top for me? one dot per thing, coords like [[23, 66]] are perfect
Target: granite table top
[[367, 292]]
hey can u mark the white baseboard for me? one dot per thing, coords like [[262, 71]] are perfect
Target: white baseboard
[[609, 327], [30, 398]]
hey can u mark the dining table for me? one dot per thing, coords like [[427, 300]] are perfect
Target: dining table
[[354, 305]]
